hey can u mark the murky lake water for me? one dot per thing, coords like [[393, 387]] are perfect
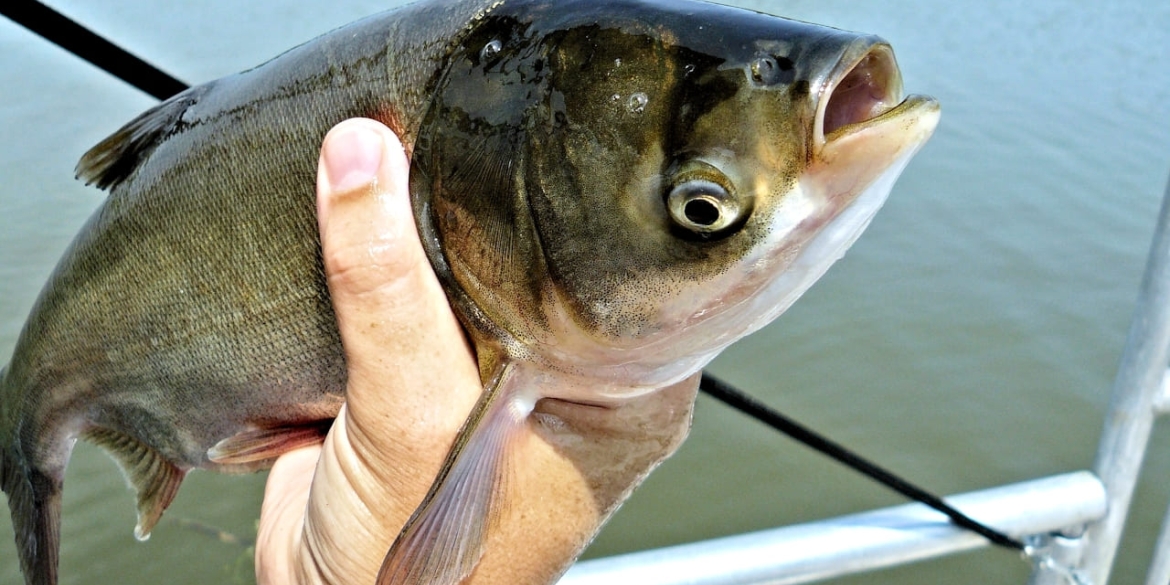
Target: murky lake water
[[969, 339]]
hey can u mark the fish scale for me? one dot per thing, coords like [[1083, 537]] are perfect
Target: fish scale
[[596, 250]]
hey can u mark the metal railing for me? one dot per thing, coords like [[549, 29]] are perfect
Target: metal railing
[[1137, 391], [857, 543], [1074, 521]]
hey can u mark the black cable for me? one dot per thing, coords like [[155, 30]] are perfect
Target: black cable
[[80, 41], [729, 395]]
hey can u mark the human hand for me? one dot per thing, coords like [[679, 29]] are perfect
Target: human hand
[[331, 512]]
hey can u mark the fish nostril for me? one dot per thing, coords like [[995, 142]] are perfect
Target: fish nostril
[[871, 88]]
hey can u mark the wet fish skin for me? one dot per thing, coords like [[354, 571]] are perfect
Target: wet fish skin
[[189, 324]]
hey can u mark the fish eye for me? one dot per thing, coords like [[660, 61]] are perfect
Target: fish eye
[[705, 208]]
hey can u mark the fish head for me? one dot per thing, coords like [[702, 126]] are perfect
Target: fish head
[[620, 190]]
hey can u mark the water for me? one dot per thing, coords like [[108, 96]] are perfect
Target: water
[[969, 339]]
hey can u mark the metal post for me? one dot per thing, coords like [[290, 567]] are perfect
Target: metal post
[[1160, 567], [1131, 410]]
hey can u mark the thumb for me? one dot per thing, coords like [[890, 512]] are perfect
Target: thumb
[[396, 325], [363, 210], [412, 378]]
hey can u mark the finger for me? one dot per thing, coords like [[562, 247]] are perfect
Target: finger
[[363, 210], [412, 377], [282, 515], [395, 322]]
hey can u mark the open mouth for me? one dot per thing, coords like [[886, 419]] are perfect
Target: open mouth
[[867, 91]]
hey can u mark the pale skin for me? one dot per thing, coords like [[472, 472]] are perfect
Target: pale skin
[[331, 512]]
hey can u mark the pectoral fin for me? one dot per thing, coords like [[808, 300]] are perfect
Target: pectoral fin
[[257, 447], [443, 540]]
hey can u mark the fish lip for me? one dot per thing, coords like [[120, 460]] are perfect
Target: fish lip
[[864, 89], [913, 104]]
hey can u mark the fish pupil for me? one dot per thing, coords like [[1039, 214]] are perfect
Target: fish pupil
[[701, 212]]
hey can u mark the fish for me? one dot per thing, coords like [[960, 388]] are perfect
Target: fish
[[610, 192]]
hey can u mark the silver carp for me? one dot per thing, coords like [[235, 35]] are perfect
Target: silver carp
[[611, 192]]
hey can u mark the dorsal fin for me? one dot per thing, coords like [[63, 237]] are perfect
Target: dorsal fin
[[114, 159]]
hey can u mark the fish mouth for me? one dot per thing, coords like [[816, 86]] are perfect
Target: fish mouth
[[862, 92]]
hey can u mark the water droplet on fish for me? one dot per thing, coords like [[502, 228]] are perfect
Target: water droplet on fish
[[491, 49], [637, 102], [617, 62], [615, 98]]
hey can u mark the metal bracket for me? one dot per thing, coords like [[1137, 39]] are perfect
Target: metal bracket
[[1055, 557]]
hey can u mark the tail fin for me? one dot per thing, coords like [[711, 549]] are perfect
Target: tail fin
[[34, 498]]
